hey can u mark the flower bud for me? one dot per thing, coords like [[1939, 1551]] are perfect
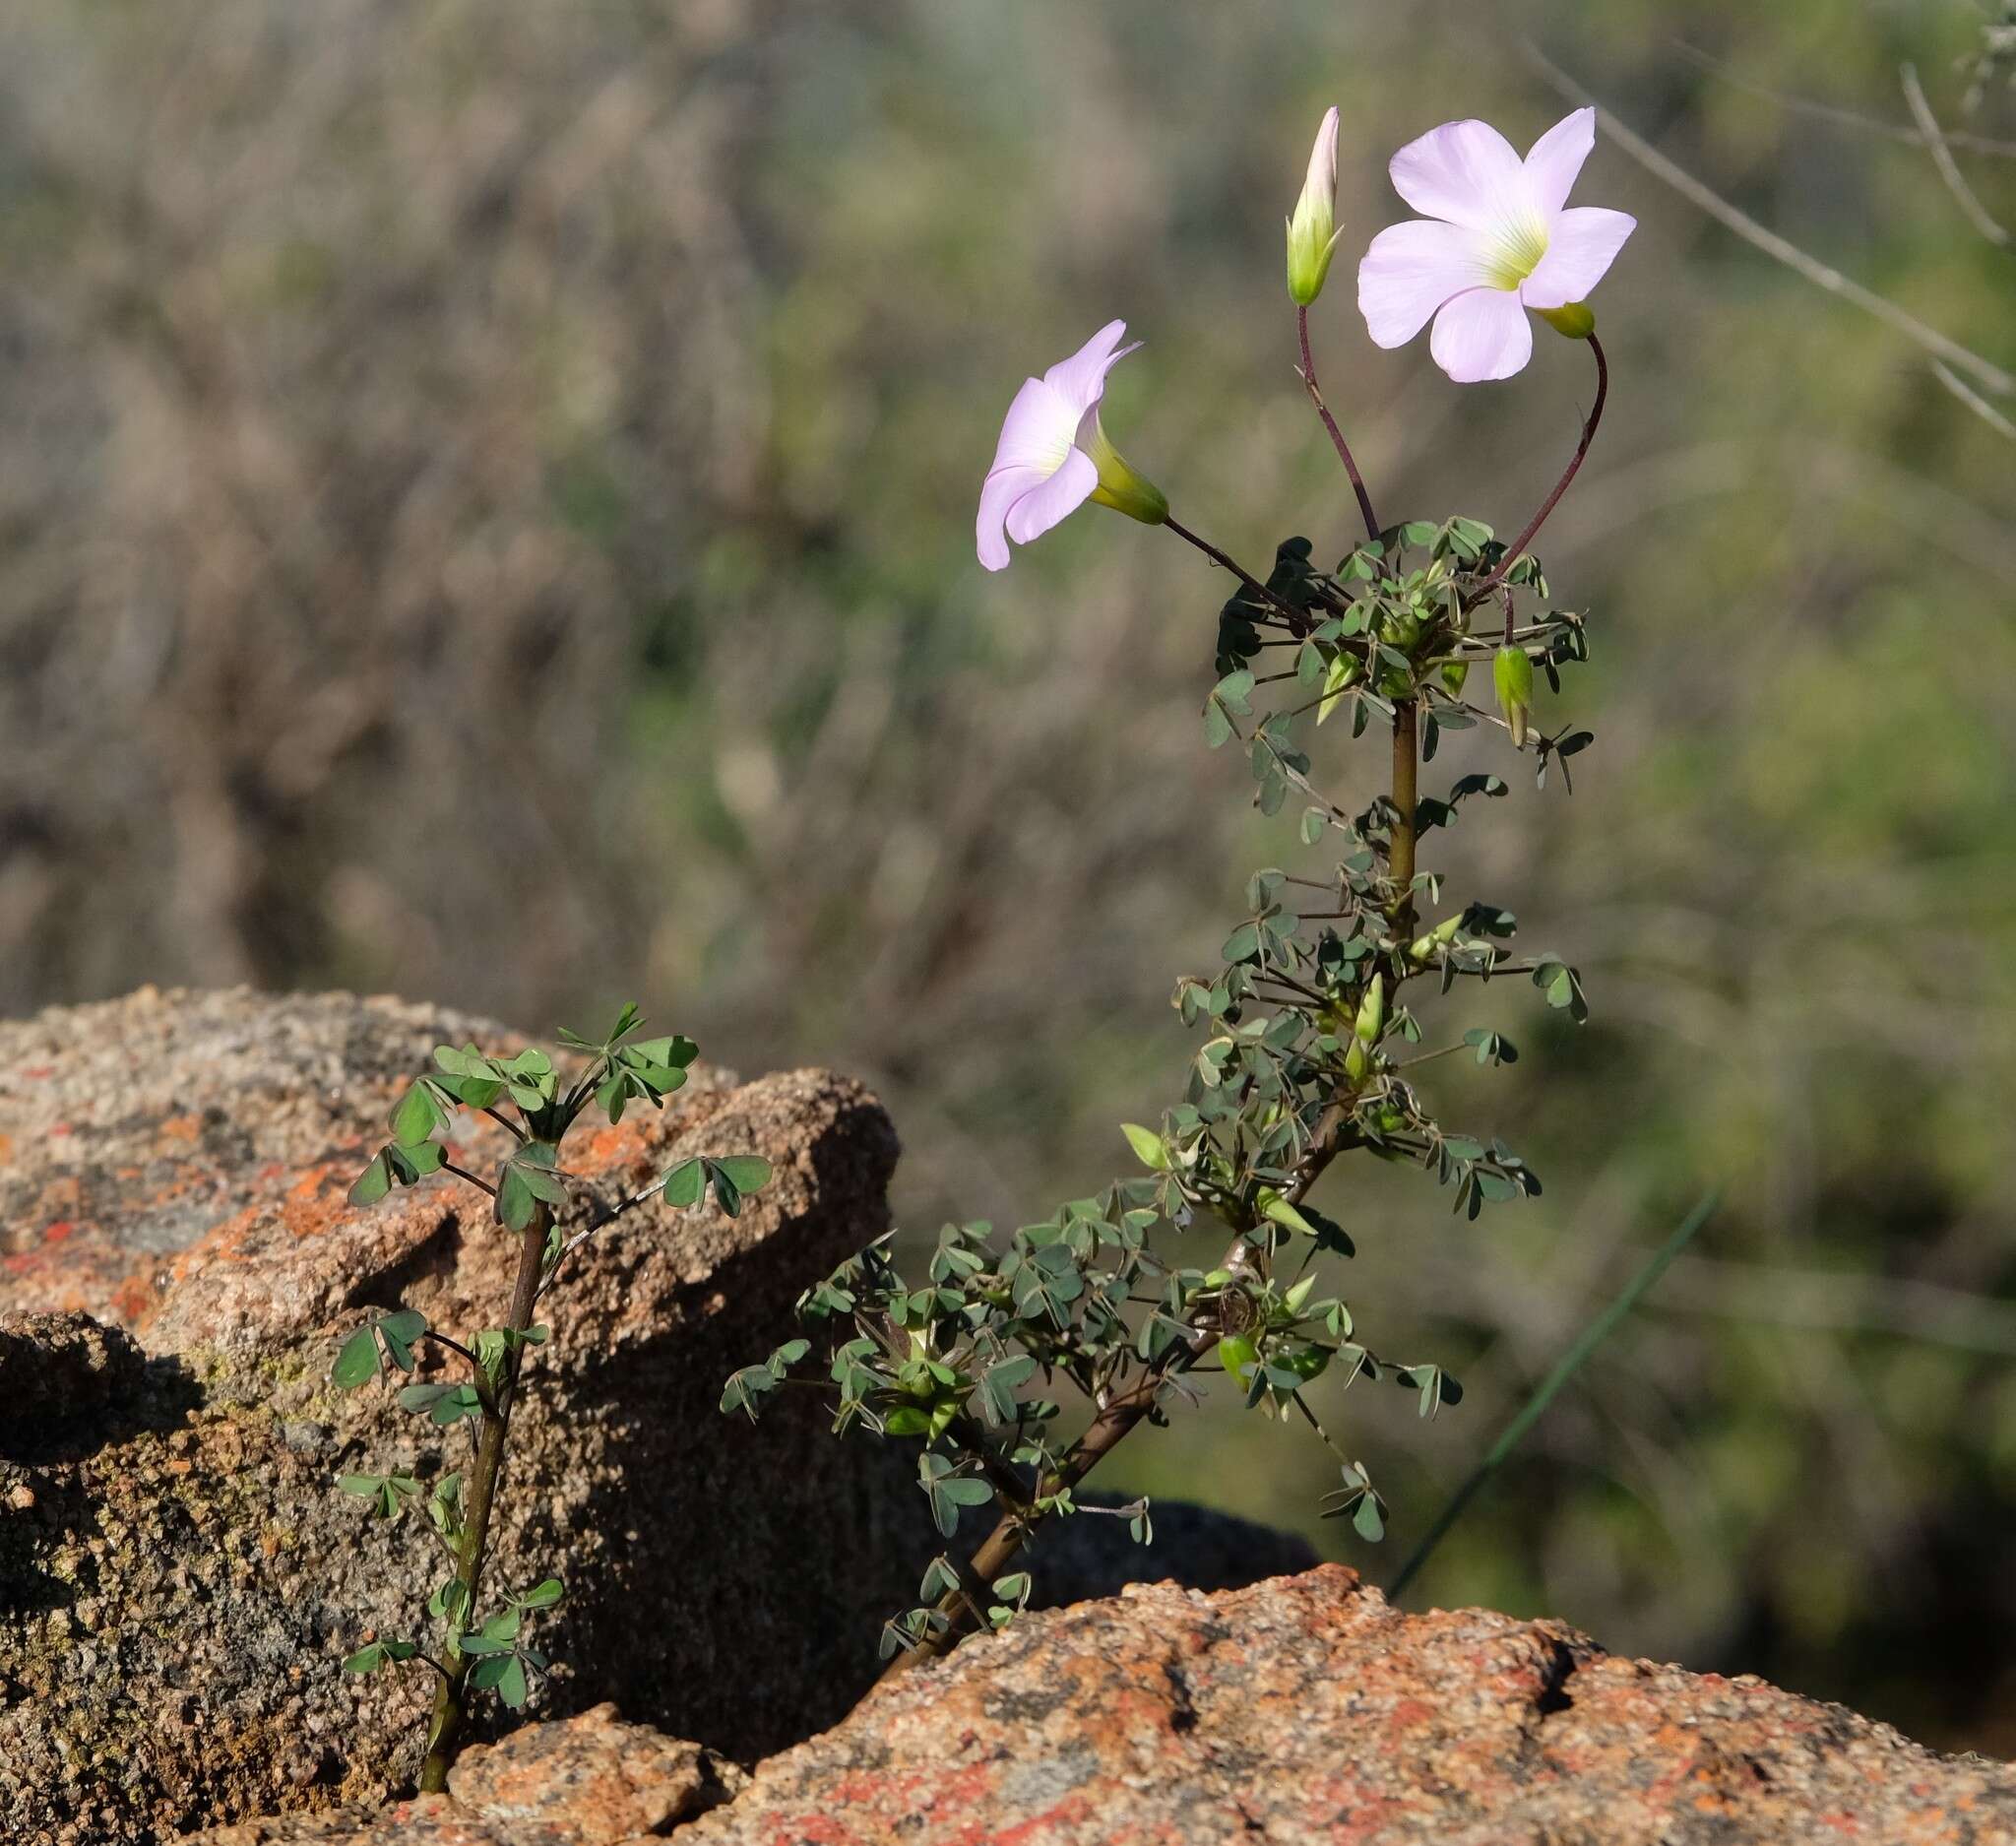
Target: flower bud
[[1371, 1019], [1572, 322], [1423, 948], [1454, 672], [1512, 676], [1238, 1355], [1365, 1030], [1312, 232], [1344, 674], [1403, 627], [1119, 487]]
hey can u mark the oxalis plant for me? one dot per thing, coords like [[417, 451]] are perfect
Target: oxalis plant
[[485, 1646], [1017, 1363]]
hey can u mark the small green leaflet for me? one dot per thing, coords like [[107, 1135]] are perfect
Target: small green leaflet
[[949, 1492], [402, 1330], [419, 1115], [733, 1178], [503, 1674], [529, 1178], [357, 1362], [443, 1403], [373, 1183], [685, 1184]]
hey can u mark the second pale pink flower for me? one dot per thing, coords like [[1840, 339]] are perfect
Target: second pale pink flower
[[1499, 237]]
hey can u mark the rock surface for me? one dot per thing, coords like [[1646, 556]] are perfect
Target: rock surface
[[1308, 1710], [1298, 1710], [179, 1577], [586, 1781]]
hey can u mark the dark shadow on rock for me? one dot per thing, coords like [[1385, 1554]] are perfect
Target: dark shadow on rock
[[70, 1385], [40, 1510]]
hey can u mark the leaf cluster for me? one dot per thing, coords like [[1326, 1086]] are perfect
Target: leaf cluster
[[532, 1193], [1009, 1360]]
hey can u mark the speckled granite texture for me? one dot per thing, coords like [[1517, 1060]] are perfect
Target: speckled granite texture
[[178, 1575]]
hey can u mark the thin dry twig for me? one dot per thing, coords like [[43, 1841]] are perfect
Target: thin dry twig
[[1942, 158], [1973, 401], [1834, 112], [1961, 358]]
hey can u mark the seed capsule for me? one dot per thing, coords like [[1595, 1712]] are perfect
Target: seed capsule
[[1512, 676]]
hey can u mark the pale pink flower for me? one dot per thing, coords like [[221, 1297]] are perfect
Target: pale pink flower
[[1499, 237], [1053, 456]]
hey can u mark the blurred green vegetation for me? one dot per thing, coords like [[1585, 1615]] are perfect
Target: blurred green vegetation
[[485, 509]]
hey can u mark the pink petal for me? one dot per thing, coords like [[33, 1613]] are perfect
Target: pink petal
[[1556, 157], [1321, 181], [1482, 334], [1465, 173], [1042, 507], [1409, 271], [1037, 430], [1001, 489], [1581, 245], [1081, 380]]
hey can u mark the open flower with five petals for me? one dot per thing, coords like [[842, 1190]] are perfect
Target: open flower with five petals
[[1499, 237], [1053, 455]]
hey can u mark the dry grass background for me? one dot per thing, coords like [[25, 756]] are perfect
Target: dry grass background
[[485, 508]]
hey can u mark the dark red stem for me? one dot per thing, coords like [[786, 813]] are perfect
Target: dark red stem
[[1546, 506], [1344, 455]]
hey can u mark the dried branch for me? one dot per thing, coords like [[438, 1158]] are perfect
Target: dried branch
[[1973, 401], [1961, 358], [1835, 113], [1942, 158]]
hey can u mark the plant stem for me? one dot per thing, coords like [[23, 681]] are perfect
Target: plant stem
[[1405, 797], [456, 1346], [1572, 1361], [487, 1470], [462, 1172], [1239, 570], [1111, 1426], [1344, 455], [1546, 506], [1128, 1410]]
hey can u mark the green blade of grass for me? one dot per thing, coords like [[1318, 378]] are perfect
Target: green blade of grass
[[1572, 1361]]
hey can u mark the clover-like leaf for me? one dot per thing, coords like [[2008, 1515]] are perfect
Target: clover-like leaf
[[1147, 1145], [402, 1330], [949, 1492], [409, 1165], [998, 1386], [515, 1201], [372, 1184], [497, 1635], [727, 1195], [747, 1389], [685, 1184], [419, 1115], [503, 1674], [357, 1362], [746, 1172]]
